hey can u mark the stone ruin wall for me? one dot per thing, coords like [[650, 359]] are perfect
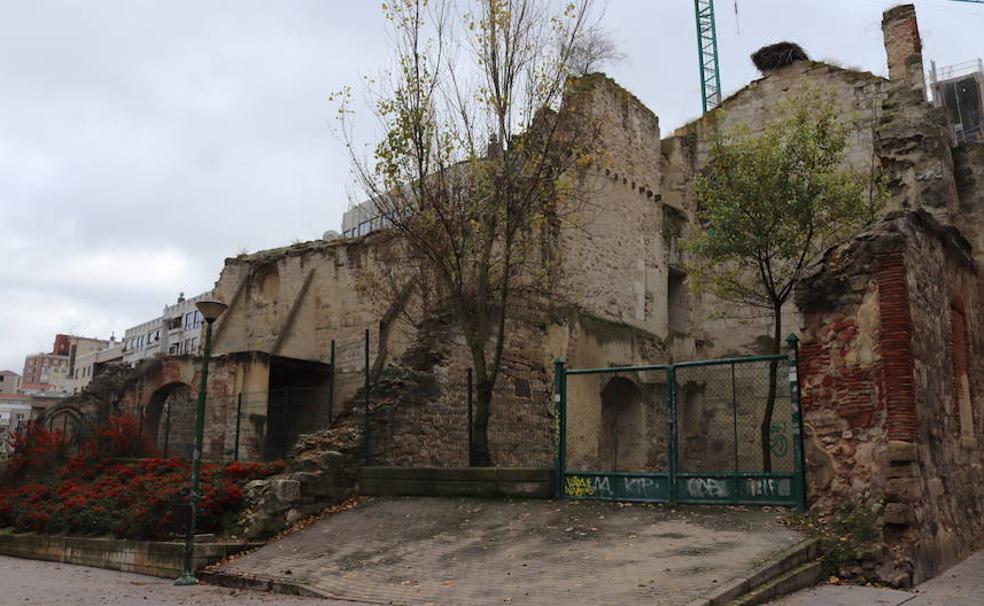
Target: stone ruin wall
[[420, 418], [598, 343], [612, 275], [185, 372], [879, 365], [721, 328], [611, 252], [968, 160], [939, 496], [292, 302]]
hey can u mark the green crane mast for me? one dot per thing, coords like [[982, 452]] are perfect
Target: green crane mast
[[710, 70], [707, 49]]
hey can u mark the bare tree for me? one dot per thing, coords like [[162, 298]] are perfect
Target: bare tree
[[476, 162], [593, 51]]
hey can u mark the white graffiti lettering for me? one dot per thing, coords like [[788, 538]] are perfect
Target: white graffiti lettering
[[769, 487], [702, 488], [638, 486]]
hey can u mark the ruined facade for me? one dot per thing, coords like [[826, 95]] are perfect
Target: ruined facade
[[891, 342]]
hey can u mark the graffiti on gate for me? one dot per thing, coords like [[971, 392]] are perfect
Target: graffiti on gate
[[707, 488], [588, 486], [769, 487], [642, 488], [778, 442]]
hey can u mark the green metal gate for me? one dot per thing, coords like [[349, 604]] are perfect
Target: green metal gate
[[691, 432]]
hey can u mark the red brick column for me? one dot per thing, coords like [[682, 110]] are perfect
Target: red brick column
[[898, 396]]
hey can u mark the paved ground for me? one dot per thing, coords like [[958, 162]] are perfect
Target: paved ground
[[462, 551], [31, 582], [962, 585]]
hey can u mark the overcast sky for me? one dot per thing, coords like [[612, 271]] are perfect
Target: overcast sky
[[143, 141]]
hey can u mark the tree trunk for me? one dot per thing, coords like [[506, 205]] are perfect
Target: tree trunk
[[770, 402], [480, 455]]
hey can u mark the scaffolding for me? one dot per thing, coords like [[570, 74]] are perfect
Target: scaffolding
[[959, 89]]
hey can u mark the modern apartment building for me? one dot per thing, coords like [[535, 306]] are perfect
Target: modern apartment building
[[10, 382], [53, 372], [89, 365], [176, 332], [15, 414], [44, 371], [362, 219]]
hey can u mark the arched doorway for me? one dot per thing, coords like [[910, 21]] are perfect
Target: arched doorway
[[67, 419], [622, 435], [169, 420]]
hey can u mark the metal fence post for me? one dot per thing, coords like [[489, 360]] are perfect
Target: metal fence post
[[366, 386], [239, 416], [331, 381], [734, 410], [560, 404], [674, 450], [167, 430], [792, 351], [470, 413]]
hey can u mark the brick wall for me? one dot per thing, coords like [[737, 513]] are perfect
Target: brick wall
[[895, 340], [884, 348]]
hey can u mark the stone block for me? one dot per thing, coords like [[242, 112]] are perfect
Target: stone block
[[897, 451], [901, 471], [286, 490], [899, 514], [903, 489]]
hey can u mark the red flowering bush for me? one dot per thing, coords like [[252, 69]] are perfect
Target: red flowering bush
[[37, 451], [119, 438], [91, 493]]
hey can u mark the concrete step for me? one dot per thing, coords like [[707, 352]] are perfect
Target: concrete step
[[798, 562], [805, 576]]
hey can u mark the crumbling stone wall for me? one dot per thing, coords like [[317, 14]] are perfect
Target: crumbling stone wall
[[968, 160], [880, 374], [144, 397], [722, 328], [292, 302], [419, 413], [611, 254]]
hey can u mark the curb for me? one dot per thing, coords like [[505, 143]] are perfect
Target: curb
[[779, 564], [258, 583], [255, 583]]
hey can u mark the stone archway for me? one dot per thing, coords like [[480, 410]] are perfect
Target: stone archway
[[68, 419], [169, 420], [622, 438]]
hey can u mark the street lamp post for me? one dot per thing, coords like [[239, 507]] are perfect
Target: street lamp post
[[211, 310]]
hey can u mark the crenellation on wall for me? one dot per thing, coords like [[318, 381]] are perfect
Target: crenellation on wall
[[610, 262]]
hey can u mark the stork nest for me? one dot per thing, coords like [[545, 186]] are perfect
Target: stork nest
[[778, 55]]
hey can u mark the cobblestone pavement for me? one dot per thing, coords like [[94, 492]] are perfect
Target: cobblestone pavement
[[464, 552], [961, 585], [36, 583]]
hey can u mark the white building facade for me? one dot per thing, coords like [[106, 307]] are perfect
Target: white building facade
[[176, 332], [15, 414], [10, 382]]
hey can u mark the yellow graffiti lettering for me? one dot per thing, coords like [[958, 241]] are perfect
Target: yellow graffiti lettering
[[579, 487]]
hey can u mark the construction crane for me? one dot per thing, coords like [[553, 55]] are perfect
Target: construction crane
[[707, 49]]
